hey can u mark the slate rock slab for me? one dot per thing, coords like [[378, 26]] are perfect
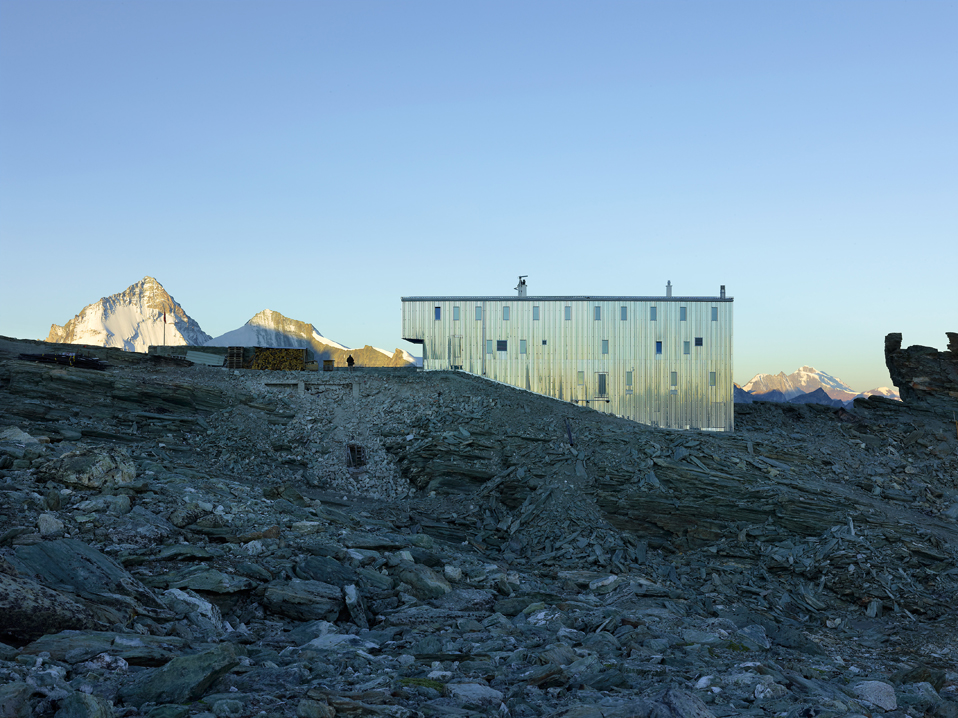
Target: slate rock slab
[[183, 679], [29, 610], [424, 582], [71, 565], [84, 705], [304, 600], [15, 700]]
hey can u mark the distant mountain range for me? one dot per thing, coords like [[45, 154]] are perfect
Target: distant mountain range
[[137, 318], [806, 385]]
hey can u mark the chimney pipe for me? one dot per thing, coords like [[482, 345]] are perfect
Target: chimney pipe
[[668, 289], [722, 292], [521, 286]]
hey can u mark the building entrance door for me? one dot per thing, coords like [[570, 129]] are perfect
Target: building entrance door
[[455, 352]]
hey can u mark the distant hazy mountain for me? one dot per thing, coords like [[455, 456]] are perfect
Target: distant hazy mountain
[[272, 329], [772, 395], [131, 320], [816, 397], [802, 381]]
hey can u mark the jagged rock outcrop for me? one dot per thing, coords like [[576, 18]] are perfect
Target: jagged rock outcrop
[[922, 374]]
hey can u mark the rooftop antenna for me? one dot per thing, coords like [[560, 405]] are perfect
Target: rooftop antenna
[[521, 286]]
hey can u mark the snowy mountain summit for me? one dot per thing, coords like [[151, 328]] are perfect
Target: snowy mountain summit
[[807, 380], [272, 329], [131, 320], [802, 381]]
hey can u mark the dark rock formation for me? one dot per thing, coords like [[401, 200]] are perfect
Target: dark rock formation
[[924, 375]]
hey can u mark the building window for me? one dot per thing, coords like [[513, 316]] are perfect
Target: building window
[[658, 347], [624, 313], [683, 314], [505, 314], [580, 378], [714, 314], [543, 342], [698, 341], [603, 385], [711, 378], [568, 314], [522, 346], [455, 314], [675, 378], [598, 313], [628, 378], [488, 346], [535, 314], [652, 314], [478, 314], [686, 347], [501, 345], [438, 313], [605, 346]]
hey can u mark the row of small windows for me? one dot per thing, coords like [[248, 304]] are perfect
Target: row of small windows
[[603, 381], [624, 314], [502, 345]]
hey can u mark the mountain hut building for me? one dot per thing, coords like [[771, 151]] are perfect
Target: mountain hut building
[[663, 361]]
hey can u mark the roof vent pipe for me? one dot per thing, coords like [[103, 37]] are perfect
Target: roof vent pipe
[[722, 292], [521, 286], [668, 289]]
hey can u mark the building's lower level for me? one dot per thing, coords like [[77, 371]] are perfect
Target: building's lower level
[[663, 361]]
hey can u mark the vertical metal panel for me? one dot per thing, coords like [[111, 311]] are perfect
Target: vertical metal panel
[[576, 346]]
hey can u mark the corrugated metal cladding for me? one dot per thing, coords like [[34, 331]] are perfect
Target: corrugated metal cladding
[[663, 361]]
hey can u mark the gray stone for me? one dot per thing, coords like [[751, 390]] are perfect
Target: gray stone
[[81, 569], [83, 705], [326, 570], [304, 600], [422, 580], [474, 694], [90, 468], [168, 711], [29, 610], [307, 708], [183, 679], [15, 700], [877, 693]]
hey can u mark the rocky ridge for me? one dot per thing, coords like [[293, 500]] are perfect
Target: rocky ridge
[[198, 542]]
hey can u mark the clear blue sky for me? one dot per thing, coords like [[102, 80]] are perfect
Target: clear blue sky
[[323, 159]]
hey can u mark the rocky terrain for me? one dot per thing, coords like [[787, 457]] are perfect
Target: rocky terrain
[[201, 542]]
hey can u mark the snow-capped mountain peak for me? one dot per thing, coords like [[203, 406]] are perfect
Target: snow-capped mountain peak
[[806, 380], [132, 320], [269, 328]]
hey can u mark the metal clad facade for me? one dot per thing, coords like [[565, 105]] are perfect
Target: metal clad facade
[[573, 348]]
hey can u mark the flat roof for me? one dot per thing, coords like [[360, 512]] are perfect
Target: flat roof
[[514, 298]]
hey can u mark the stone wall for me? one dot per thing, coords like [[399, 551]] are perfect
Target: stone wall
[[924, 374]]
